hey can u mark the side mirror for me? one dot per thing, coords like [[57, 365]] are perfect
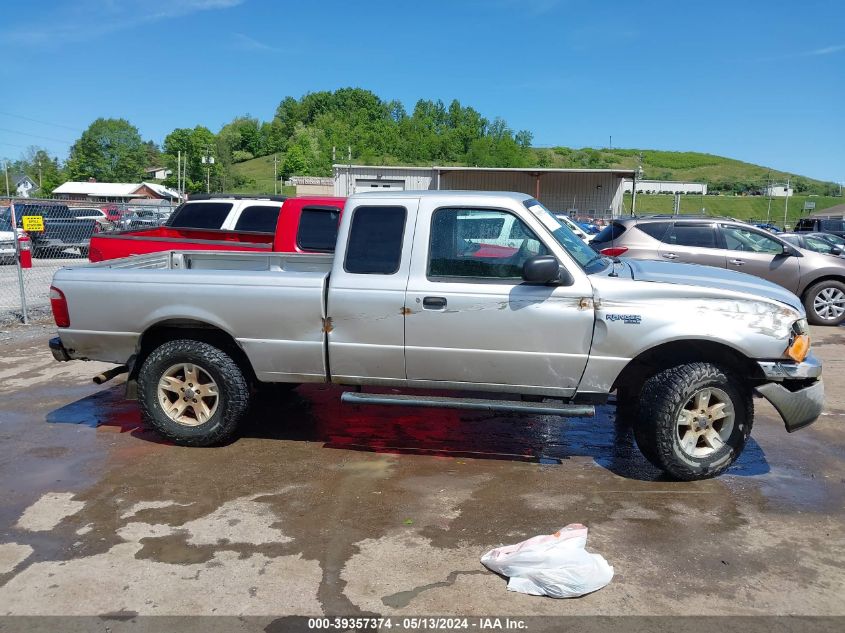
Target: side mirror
[[836, 251], [544, 269]]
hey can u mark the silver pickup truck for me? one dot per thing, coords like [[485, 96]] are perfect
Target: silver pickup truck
[[426, 292]]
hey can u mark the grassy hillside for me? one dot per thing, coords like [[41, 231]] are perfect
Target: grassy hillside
[[751, 208], [258, 174], [717, 171]]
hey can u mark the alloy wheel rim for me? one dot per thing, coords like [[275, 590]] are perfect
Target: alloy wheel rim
[[188, 394], [829, 303], [705, 422]]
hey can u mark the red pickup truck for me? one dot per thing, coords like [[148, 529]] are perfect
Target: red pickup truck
[[235, 223]]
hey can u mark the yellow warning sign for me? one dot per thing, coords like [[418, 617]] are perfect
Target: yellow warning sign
[[33, 223]]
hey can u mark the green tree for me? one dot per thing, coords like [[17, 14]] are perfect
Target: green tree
[[194, 144], [295, 163], [110, 150]]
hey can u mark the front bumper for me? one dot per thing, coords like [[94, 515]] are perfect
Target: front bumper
[[58, 349], [779, 370], [796, 390]]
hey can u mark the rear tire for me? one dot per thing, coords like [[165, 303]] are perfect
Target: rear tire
[[192, 393], [824, 303], [694, 420]]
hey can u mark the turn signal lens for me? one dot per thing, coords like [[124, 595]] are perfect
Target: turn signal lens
[[615, 251], [799, 347]]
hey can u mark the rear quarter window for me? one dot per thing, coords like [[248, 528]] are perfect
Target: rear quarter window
[[258, 218], [200, 215], [317, 229], [611, 232], [657, 230], [375, 240]]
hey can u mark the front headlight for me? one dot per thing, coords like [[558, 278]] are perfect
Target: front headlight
[[799, 341]]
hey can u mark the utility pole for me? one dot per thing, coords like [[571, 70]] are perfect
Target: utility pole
[[6, 166], [179, 172], [275, 174], [786, 204], [208, 161], [39, 173]]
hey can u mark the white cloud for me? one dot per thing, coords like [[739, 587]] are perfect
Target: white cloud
[[827, 50], [89, 19], [247, 43]]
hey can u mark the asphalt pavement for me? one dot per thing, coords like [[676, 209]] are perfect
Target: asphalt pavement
[[323, 508]]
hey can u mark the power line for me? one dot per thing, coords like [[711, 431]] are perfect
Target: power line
[[46, 138], [15, 145], [26, 118]]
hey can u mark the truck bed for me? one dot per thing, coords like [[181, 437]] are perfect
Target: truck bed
[[273, 305], [112, 245]]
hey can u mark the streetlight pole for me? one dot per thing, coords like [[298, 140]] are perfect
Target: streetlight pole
[[6, 166]]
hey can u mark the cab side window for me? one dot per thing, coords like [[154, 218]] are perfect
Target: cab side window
[[464, 245], [741, 239]]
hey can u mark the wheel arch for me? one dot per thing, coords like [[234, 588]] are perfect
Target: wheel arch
[[672, 353], [194, 329], [821, 278]]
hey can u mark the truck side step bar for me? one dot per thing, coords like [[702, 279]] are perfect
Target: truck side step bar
[[477, 404]]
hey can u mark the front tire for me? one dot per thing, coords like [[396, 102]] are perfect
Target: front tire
[[192, 393], [694, 420], [824, 303]]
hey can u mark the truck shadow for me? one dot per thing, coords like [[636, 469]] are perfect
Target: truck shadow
[[314, 413]]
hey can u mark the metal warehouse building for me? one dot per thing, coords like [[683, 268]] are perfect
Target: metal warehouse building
[[582, 192]]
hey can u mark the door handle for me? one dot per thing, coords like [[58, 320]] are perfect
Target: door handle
[[736, 262], [434, 303], [669, 255]]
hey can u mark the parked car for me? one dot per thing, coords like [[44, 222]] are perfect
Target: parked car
[[818, 279], [407, 302], [816, 242], [7, 238], [836, 240], [143, 218], [771, 228], [294, 225], [821, 225], [65, 228], [574, 227]]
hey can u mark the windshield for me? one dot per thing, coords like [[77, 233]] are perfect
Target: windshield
[[574, 245]]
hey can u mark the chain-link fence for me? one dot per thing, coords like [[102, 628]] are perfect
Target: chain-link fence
[[39, 236]]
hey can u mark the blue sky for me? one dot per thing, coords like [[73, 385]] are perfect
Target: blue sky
[[758, 80]]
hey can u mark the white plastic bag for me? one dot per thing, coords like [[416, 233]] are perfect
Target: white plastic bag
[[555, 565]]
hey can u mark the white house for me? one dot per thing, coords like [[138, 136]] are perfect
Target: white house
[[157, 173], [778, 191], [25, 186], [114, 191]]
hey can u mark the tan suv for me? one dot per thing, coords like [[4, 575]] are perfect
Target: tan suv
[[819, 279]]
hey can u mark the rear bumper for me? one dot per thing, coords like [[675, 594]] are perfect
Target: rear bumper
[[58, 349]]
